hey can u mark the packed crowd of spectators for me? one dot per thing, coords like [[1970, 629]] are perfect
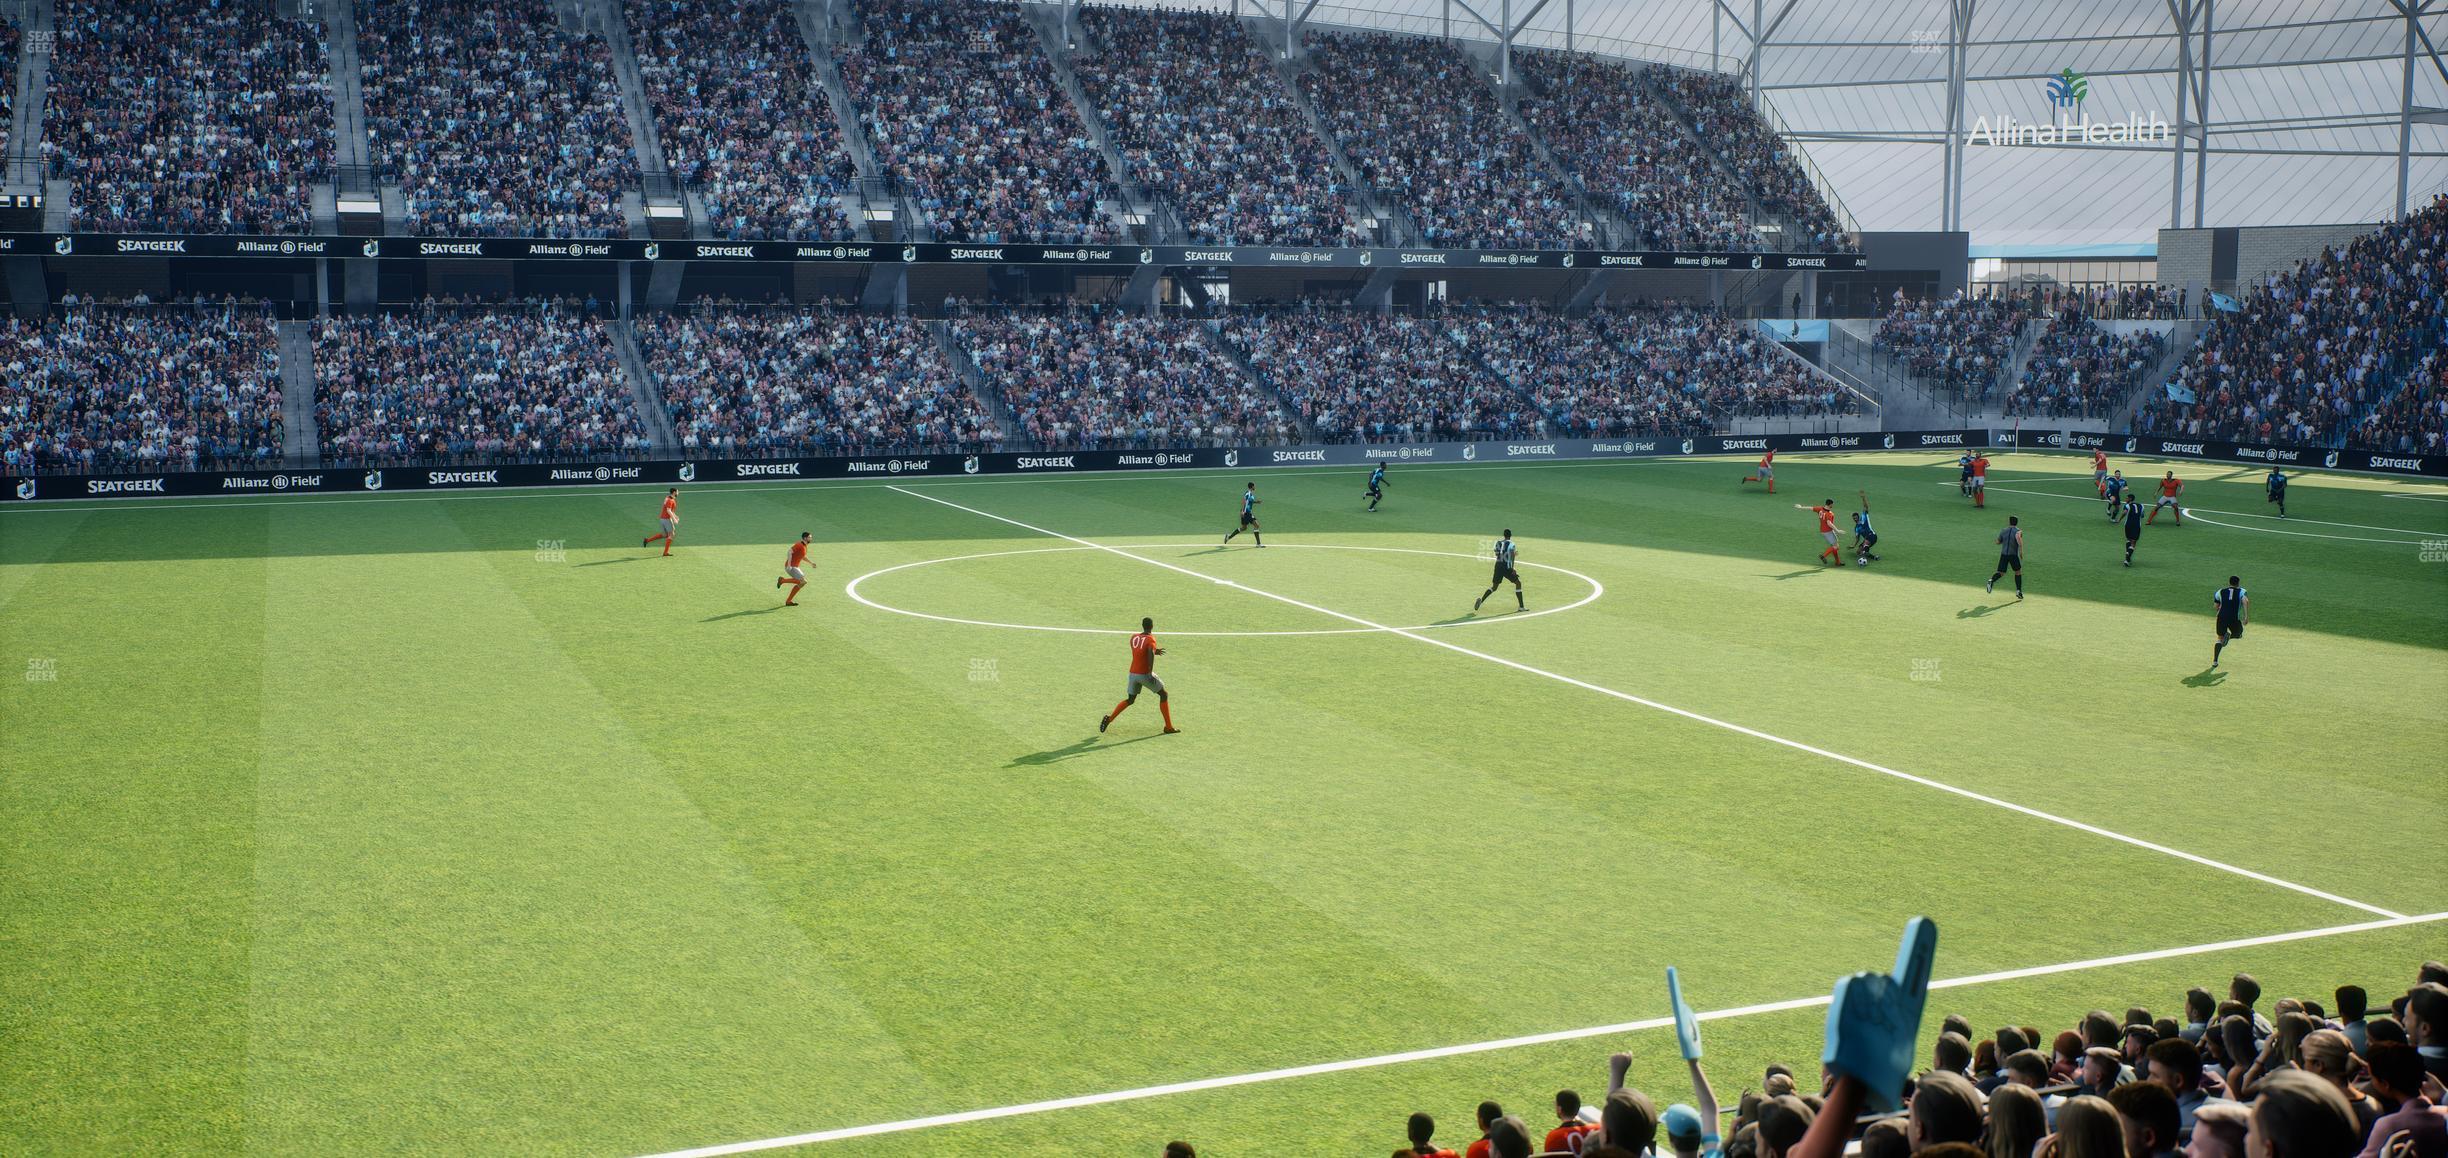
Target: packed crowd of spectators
[[1104, 378], [2414, 420], [1198, 113], [2302, 1080], [2081, 369], [8, 69], [741, 119], [494, 119], [959, 100], [2308, 356], [1630, 152], [1962, 343], [177, 117], [1362, 376], [1731, 126], [1416, 118], [1645, 372], [436, 383], [744, 383], [119, 389]]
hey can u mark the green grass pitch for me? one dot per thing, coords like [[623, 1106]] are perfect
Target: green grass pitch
[[461, 824]]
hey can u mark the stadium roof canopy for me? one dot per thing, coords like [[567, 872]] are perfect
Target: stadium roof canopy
[[2303, 101]]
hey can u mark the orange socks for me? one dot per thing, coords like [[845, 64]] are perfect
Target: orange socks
[[1167, 709], [1117, 712]]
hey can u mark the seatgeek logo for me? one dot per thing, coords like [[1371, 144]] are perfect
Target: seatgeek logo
[[127, 486], [456, 478], [764, 469], [2379, 463], [1516, 450], [1300, 456], [1056, 462]]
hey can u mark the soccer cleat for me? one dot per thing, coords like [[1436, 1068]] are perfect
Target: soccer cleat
[[648, 541], [777, 583], [1990, 587], [1475, 603], [1104, 722], [1172, 731], [2018, 596]]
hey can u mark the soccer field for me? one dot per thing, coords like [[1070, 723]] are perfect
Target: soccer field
[[460, 823]]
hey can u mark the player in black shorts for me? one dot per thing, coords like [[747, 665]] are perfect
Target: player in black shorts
[[2277, 482], [1376, 486], [2010, 555], [1249, 516], [2233, 605], [1505, 554], [2133, 526]]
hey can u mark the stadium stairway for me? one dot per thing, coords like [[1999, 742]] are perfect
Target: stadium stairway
[[1132, 205], [644, 393], [1212, 332], [1612, 231], [659, 200], [34, 20], [1395, 226], [989, 395], [301, 442], [1760, 213], [350, 145]]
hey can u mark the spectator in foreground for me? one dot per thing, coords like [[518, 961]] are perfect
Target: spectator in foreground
[[2397, 1077], [1886, 1138], [1945, 1108], [2177, 1066], [2017, 1122], [2219, 1130], [1509, 1137], [2426, 1025], [1180, 1150], [2352, 1003], [2147, 1114], [1421, 1128], [2296, 1115], [2327, 1055], [2087, 1127]]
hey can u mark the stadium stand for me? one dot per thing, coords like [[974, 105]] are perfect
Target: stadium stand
[[9, 37], [751, 383], [1416, 118], [116, 389], [1103, 378], [2331, 353], [740, 120], [1730, 125], [1645, 372], [1356, 376], [959, 100], [2301, 1082], [1197, 112], [171, 117], [2081, 370], [441, 384], [1626, 147], [1963, 343], [494, 120]]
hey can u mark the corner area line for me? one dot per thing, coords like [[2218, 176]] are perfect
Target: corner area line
[[1086, 1100], [1696, 717]]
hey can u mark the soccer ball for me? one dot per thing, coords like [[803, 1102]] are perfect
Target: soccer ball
[[1861, 562]]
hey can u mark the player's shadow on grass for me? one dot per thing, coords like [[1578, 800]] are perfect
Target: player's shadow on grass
[[1982, 610], [609, 562], [1795, 574], [737, 614], [2205, 678], [1215, 550], [1087, 747]]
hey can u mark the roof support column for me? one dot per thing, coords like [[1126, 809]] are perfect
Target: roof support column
[[2201, 114], [1959, 60], [2182, 13]]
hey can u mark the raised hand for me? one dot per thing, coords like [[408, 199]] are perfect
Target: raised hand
[[1874, 1018]]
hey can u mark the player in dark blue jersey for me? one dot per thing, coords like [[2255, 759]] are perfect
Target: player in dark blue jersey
[[2233, 607], [2115, 489], [1505, 555], [1376, 486], [1249, 516], [1864, 538], [1964, 483], [2277, 482], [2133, 526]]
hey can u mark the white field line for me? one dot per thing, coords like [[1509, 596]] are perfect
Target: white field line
[[2420, 498], [1446, 1051], [2099, 502], [1696, 717]]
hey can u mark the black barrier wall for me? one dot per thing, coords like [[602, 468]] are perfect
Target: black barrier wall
[[883, 467]]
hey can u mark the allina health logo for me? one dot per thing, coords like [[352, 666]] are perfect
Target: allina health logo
[[2072, 123]]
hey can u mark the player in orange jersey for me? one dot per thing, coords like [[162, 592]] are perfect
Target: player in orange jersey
[[1827, 530], [2099, 469], [1143, 676], [671, 521], [791, 572], [2169, 488], [1767, 471], [1980, 479]]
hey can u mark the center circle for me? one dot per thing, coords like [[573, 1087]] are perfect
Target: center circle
[[851, 589]]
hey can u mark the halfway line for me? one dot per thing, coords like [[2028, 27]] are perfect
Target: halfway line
[[1446, 1051], [1696, 717]]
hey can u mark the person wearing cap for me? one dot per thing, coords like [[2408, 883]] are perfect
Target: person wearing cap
[[1688, 1135]]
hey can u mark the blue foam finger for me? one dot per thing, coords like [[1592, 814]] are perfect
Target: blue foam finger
[[1874, 1018], [1687, 1025]]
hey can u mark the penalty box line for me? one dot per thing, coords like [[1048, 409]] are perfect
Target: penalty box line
[[1687, 714], [1086, 1100]]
